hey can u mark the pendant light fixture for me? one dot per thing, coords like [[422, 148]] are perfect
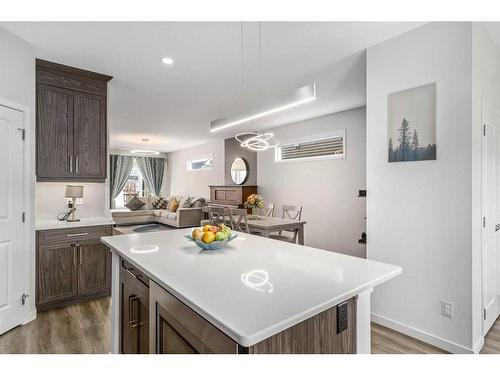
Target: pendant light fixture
[[297, 97]]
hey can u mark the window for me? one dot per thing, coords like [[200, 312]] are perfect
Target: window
[[134, 186], [200, 163], [331, 146]]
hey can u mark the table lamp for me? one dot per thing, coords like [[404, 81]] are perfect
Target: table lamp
[[73, 192]]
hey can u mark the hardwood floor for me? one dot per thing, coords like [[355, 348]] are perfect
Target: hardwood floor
[[86, 328], [387, 341], [81, 328], [492, 340]]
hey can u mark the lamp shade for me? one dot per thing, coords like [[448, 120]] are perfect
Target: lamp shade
[[73, 191]]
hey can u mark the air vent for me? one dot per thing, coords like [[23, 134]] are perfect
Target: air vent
[[330, 147]]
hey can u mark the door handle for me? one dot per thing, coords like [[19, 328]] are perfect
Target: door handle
[[76, 164], [132, 322], [70, 164]]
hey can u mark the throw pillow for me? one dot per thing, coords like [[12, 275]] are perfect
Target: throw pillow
[[174, 205], [160, 203], [187, 203], [173, 202], [134, 204], [198, 203]]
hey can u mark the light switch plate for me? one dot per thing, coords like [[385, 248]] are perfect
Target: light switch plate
[[447, 309]]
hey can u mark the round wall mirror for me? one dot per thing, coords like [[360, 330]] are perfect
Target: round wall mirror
[[239, 171]]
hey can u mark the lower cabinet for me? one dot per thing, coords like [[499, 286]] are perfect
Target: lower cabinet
[[134, 311], [176, 329], [72, 265]]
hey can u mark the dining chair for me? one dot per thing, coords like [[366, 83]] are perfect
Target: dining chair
[[267, 211], [290, 213], [216, 215], [238, 218]]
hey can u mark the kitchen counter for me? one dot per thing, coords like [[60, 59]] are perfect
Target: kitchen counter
[[255, 287], [84, 222]]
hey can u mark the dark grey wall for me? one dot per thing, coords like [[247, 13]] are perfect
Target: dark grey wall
[[232, 149]]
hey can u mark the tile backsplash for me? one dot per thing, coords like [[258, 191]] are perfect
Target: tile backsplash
[[50, 200]]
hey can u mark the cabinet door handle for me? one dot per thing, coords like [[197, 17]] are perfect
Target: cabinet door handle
[[131, 273], [76, 164], [70, 164], [76, 234], [74, 254], [79, 252], [132, 322]]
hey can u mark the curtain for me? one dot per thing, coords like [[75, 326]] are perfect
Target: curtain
[[152, 172], [119, 171]]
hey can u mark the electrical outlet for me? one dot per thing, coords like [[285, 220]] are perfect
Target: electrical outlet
[[446, 309], [342, 322], [78, 201]]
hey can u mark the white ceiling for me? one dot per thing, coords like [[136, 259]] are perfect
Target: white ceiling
[[173, 105]]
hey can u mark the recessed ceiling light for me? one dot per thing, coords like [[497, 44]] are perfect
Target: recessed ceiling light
[[167, 60], [144, 152]]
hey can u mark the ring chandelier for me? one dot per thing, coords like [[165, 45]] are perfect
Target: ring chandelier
[[257, 141]]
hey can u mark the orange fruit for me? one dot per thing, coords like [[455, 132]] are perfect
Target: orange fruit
[[214, 229], [208, 237], [206, 228]]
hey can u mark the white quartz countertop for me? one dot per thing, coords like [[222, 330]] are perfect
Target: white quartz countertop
[[255, 287], [84, 222]]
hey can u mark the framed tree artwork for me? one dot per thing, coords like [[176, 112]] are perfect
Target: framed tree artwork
[[412, 124]]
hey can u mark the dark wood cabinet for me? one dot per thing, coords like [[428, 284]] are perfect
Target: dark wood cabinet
[[230, 195], [94, 267], [72, 265], [55, 135], [90, 136], [176, 329], [134, 311], [71, 135], [57, 273]]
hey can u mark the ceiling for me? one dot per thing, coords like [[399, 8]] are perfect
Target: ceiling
[[215, 71]]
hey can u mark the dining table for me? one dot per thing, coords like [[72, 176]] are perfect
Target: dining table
[[265, 225]]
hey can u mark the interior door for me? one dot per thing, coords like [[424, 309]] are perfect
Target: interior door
[[490, 210], [12, 238]]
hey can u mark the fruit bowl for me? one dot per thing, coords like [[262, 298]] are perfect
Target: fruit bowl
[[212, 237], [214, 245]]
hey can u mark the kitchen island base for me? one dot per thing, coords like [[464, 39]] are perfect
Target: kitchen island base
[[256, 295], [174, 328]]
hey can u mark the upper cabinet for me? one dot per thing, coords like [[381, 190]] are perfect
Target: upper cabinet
[[71, 134]]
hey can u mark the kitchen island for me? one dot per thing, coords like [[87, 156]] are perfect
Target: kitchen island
[[256, 295]]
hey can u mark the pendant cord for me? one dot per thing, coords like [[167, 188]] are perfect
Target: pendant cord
[[241, 64]]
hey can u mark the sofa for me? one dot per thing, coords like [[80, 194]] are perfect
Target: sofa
[[184, 217]]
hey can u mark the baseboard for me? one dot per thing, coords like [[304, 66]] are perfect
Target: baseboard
[[418, 334], [29, 316], [479, 345]]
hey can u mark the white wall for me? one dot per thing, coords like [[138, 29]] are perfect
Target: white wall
[[327, 189], [17, 82], [485, 89], [50, 200], [195, 183], [419, 213]]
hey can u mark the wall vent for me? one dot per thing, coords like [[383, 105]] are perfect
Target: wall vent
[[332, 147]]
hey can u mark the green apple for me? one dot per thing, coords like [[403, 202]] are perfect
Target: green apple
[[220, 236]]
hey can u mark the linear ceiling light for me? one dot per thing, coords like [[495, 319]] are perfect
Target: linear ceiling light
[[300, 96]]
